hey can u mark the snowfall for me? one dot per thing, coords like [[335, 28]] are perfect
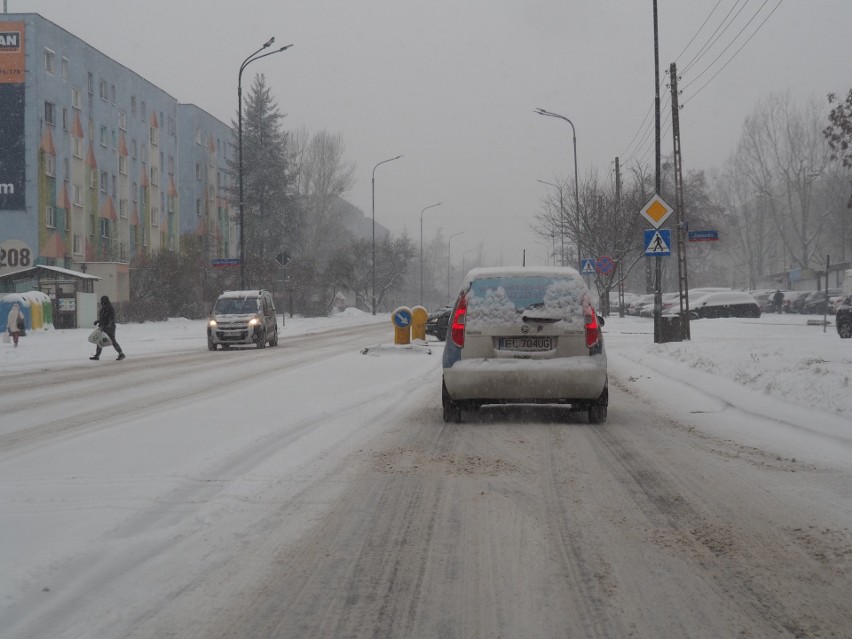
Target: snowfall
[[780, 383]]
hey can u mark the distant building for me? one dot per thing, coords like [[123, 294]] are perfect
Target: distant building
[[97, 164]]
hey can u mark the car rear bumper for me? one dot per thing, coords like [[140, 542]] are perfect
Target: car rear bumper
[[520, 380]]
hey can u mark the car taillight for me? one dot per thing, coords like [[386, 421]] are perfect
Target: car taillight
[[593, 329], [459, 314]]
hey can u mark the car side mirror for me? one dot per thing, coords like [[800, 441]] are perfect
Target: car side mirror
[[601, 320]]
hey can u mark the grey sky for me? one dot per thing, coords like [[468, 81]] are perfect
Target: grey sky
[[452, 85]]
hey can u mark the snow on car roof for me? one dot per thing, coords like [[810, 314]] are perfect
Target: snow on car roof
[[240, 294], [519, 271]]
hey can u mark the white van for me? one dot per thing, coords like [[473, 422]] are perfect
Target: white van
[[243, 317]]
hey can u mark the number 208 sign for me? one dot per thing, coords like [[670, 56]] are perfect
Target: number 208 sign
[[14, 256]]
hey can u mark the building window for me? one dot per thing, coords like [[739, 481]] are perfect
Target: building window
[[91, 83], [78, 195], [77, 244], [122, 120], [133, 148], [50, 217], [66, 166], [104, 182], [49, 61], [114, 182], [77, 147], [64, 68], [134, 192], [64, 119], [144, 237], [155, 136], [171, 204], [102, 88], [76, 100], [198, 135], [133, 105], [104, 227], [144, 152], [114, 140], [198, 207], [93, 180], [122, 252], [142, 109], [172, 127], [171, 165], [155, 216], [49, 165], [197, 171], [155, 176], [122, 164], [104, 136], [122, 208], [50, 113]]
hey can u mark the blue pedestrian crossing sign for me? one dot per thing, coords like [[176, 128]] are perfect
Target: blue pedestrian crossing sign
[[587, 266], [658, 242]]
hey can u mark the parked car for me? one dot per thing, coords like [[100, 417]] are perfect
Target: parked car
[[815, 303], [242, 317], [524, 335], [844, 319], [727, 304], [635, 307], [436, 323], [792, 298]]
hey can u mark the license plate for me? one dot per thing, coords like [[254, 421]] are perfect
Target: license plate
[[525, 343]]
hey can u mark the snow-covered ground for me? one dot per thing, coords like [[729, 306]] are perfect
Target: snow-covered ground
[[776, 383]]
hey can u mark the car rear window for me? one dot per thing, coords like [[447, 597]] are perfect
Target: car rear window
[[506, 300]]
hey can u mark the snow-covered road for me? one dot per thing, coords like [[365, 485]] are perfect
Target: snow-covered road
[[312, 490]]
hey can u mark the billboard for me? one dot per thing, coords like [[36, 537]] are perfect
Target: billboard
[[12, 147]]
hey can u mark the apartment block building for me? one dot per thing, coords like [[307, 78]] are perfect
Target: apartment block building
[[98, 164]]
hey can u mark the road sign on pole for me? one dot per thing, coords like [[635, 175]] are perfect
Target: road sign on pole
[[656, 211], [587, 266], [658, 242], [605, 265]]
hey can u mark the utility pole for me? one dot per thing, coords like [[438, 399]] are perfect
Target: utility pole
[[683, 283], [618, 217], [658, 265]]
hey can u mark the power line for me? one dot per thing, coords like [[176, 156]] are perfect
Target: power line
[[713, 77], [695, 35], [723, 25]]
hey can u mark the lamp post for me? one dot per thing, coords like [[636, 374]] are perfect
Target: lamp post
[[561, 223], [449, 244], [576, 180], [421, 246], [374, 226], [254, 56]]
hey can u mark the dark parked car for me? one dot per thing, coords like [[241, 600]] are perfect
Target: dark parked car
[[844, 320], [437, 322], [815, 303], [727, 304]]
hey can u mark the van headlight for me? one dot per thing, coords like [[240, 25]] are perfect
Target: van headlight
[[212, 323], [254, 321]]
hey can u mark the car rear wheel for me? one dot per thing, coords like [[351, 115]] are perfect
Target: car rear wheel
[[597, 410], [844, 329]]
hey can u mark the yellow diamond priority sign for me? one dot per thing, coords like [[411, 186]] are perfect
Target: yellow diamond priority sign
[[656, 211]]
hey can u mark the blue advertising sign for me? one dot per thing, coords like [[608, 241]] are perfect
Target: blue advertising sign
[[225, 261]]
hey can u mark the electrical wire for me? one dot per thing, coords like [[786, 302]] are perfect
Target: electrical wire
[[723, 25], [713, 77]]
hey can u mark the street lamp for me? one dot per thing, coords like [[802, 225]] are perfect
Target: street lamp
[[576, 180], [374, 226], [254, 56], [421, 247], [449, 244], [561, 223]]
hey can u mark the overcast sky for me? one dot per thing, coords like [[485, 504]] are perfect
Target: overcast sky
[[452, 85]]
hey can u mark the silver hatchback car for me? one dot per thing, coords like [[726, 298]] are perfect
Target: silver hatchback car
[[524, 335]]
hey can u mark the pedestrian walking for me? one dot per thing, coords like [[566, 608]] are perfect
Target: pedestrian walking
[[106, 322], [15, 322], [778, 301]]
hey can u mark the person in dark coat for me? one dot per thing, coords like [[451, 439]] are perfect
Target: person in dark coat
[[106, 322], [778, 301]]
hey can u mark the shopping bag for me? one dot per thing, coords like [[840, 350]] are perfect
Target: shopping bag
[[99, 338]]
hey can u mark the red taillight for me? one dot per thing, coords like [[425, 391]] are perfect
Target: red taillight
[[457, 326], [593, 329]]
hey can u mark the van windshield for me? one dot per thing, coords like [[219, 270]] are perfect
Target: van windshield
[[504, 300], [235, 306]]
